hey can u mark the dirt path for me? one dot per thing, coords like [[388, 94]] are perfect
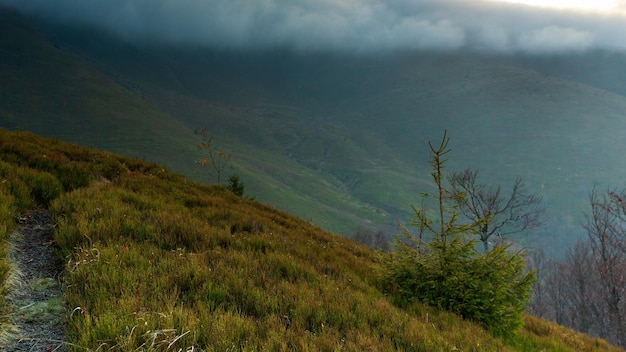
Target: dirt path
[[38, 310]]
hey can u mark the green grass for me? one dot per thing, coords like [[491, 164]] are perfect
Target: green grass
[[158, 262], [7, 223], [77, 102], [335, 140], [21, 188]]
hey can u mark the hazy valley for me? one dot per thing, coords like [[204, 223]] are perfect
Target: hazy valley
[[339, 139]]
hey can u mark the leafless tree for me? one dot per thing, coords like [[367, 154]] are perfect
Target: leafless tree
[[542, 265], [498, 214], [375, 239], [606, 230], [578, 273], [587, 289], [556, 290]]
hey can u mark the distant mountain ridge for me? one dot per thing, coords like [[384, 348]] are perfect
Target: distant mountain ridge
[[337, 139]]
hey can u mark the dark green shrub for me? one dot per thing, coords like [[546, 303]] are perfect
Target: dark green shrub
[[442, 267], [74, 175], [20, 191], [110, 168], [490, 288], [235, 185], [44, 187], [29, 187]]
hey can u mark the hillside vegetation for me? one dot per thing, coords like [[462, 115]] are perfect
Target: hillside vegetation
[[331, 138], [46, 90], [51, 90], [158, 262]]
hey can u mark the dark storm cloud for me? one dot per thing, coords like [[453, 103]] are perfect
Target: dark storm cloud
[[354, 25]]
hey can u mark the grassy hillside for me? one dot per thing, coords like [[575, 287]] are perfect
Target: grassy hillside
[[335, 139], [158, 262], [48, 91], [360, 123], [51, 91]]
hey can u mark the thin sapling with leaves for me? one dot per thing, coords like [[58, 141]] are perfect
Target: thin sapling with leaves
[[215, 160]]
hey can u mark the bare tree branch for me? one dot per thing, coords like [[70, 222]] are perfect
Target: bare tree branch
[[497, 214]]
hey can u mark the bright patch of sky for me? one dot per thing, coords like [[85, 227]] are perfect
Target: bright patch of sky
[[584, 5]]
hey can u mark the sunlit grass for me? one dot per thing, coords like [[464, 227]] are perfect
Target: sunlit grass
[[7, 223], [156, 262], [21, 188]]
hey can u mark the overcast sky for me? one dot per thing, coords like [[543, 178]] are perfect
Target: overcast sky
[[351, 25]]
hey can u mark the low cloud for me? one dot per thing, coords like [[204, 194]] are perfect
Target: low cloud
[[555, 39], [346, 25]]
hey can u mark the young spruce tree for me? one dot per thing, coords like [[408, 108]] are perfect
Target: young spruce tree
[[235, 185], [442, 267]]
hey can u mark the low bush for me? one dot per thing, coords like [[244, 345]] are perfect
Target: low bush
[[442, 267]]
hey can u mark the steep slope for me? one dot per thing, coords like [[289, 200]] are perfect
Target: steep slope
[[46, 90], [51, 91], [156, 262], [340, 139], [364, 121]]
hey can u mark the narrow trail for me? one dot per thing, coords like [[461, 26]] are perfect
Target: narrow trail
[[38, 310]]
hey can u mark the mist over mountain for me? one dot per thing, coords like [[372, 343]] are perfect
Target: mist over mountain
[[347, 26], [335, 136], [327, 109]]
